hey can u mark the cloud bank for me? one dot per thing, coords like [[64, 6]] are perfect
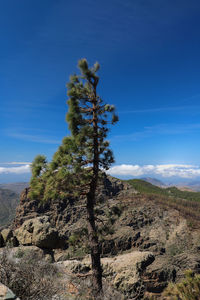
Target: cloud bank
[[16, 163], [167, 170], [15, 170]]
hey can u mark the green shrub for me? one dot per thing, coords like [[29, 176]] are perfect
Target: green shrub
[[20, 253], [73, 239]]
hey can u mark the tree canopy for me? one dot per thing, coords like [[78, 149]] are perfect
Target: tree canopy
[[70, 170]]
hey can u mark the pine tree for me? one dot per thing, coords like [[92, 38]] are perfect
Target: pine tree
[[76, 166], [88, 119]]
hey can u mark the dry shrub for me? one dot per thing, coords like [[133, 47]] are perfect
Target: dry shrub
[[29, 278], [85, 290]]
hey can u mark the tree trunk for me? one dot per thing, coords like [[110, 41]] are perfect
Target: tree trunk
[[92, 232], [94, 245]]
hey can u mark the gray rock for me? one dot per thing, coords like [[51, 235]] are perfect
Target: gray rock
[[6, 293], [38, 232]]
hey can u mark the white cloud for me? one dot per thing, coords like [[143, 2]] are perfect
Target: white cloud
[[15, 170], [168, 170], [16, 163]]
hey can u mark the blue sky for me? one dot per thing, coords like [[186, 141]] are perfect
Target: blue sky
[[150, 70]]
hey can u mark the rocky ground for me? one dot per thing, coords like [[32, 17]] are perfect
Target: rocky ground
[[144, 245]]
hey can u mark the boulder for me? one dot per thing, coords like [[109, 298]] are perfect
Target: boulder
[[6, 293], [38, 232], [125, 271], [32, 252]]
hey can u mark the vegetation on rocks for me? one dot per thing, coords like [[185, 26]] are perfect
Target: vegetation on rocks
[[148, 188], [187, 203]]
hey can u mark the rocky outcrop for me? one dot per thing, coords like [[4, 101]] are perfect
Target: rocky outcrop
[[191, 260], [122, 271], [6, 293], [39, 232], [64, 214], [125, 272], [122, 240], [157, 276], [127, 221]]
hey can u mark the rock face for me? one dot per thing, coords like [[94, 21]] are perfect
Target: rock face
[[64, 213], [6, 293], [38, 232]]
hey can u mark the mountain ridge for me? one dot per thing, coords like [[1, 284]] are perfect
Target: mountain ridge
[[16, 187], [8, 203], [154, 181]]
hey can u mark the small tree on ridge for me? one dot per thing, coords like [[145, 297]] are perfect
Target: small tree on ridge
[[75, 166]]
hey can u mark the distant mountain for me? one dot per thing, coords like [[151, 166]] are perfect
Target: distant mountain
[[154, 181], [16, 187], [189, 185], [8, 203], [172, 191], [194, 185], [9, 199]]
